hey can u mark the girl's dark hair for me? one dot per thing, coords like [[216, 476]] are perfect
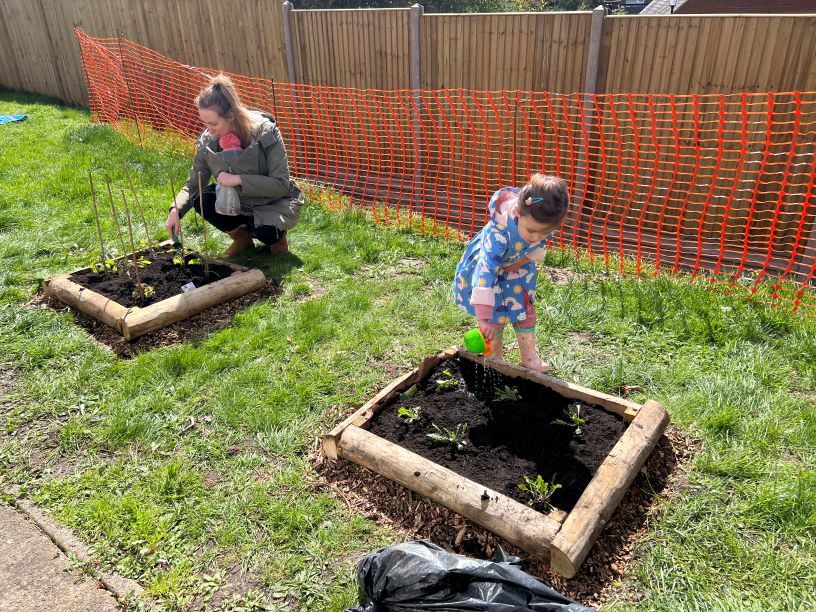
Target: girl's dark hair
[[545, 197], [220, 95]]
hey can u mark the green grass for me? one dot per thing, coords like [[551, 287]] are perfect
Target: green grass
[[178, 510]]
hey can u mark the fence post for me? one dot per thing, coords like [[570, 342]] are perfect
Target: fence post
[[415, 76], [287, 38], [589, 107]]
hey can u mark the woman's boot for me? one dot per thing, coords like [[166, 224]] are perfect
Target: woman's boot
[[281, 246], [241, 241]]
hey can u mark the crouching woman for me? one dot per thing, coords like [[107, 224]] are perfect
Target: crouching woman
[[258, 171]]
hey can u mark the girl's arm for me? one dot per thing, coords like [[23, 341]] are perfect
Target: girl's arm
[[486, 275]]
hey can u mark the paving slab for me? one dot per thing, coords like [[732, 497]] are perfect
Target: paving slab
[[35, 575]]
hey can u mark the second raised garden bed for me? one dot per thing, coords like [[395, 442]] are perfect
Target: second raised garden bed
[[496, 426]]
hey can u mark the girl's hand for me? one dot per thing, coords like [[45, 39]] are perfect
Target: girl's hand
[[225, 179], [517, 266], [489, 330]]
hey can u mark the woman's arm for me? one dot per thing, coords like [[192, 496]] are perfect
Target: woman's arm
[[182, 199], [275, 184]]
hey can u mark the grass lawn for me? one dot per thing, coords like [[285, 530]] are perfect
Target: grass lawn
[[97, 440]]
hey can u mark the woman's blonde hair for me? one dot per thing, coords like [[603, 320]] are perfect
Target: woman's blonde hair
[[221, 96]]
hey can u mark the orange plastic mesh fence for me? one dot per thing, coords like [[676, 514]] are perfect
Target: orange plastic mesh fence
[[720, 186]]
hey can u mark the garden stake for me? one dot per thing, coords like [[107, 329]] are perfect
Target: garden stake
[[116, 219], [96, 217], [140, 207], [139, 286], [176, 237], [203, 229]]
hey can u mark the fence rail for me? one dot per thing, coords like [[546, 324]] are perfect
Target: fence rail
[[722, 186]]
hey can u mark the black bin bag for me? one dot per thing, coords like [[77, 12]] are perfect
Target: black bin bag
[[423, 576]]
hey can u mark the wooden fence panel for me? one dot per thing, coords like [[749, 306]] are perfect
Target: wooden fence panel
[[529, 51], [365, 49], [241, 36], [708, 54], [31, 64]]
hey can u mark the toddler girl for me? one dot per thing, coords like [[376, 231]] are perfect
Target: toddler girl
[[496, 277]]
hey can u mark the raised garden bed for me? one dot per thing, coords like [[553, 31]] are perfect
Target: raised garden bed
[[508, 423], [108, 296]]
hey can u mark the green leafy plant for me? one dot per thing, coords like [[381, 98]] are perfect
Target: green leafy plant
[[409, 415], [455, 437], [143, 291], [539, 490], [178, 259], [447, 382], [194, 261], [109, 264], [143, 262], [575, 420], [507, 394]]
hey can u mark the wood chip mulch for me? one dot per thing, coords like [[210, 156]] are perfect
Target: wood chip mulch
[[196, 327], [605, 569]]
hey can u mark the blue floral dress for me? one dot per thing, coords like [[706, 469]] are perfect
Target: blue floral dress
[[480, 279]]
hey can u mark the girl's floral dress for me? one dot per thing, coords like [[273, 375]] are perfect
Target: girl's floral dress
[[480, 279]]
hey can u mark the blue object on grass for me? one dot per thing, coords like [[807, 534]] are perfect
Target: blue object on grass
[[12, 118]]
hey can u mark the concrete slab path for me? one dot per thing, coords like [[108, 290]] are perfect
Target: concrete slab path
[[35, 574]]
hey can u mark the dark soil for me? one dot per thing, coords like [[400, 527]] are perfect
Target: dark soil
[[162, 274], [506, 439]]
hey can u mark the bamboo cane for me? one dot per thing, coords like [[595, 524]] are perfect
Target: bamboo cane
[[203, 228], [96, 217], [176, 237], [139, 206], [139, 286], [116, 219]]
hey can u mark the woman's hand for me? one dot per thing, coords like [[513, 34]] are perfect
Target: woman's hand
[[489, 330], [173, 223], [225, 179]]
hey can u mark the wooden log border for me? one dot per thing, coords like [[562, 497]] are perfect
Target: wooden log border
[[563, 539], [134, 321]]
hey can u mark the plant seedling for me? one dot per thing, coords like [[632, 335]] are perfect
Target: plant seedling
[[143, 262], [448, 382], [409, 415], [539, 490], [108, 264], [576, 420], [507, 394], [145, 292], [455, 437]]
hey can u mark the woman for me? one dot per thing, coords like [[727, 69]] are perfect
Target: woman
[[269, 201]]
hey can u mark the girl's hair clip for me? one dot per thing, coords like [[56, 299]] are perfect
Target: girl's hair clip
[[535, 200]]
